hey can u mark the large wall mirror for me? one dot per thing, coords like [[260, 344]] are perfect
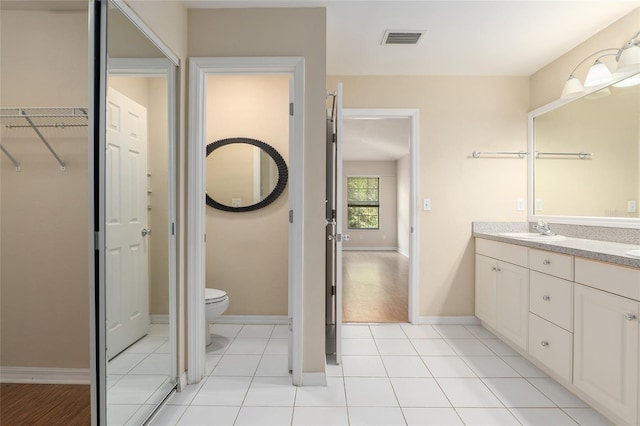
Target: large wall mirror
[[585, 158], [137, 304]]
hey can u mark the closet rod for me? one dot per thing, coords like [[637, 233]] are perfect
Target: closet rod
[[44, 141], [11, 157], [581, 155], [477, 154]]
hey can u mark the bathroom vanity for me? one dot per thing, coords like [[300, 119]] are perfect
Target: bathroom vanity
[[571, 306]]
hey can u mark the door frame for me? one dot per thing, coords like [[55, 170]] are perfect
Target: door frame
[[413, 114], [199, 69]]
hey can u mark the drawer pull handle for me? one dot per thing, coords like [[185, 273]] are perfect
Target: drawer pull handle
[[546, 297], [544, 343], [546, 262], [629, 317]]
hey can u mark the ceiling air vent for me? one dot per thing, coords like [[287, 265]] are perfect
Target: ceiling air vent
[[402, 37]]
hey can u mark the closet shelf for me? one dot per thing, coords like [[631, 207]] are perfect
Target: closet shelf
[[42, 118]]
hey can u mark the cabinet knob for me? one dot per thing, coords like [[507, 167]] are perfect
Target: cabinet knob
[[546, 297], [629, 317], [544, 343], [546, 262], [493, 268], [498, 269]]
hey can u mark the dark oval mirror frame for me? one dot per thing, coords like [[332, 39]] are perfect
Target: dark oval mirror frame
[[283, 174]]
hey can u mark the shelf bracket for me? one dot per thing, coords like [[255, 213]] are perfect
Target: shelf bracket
[[42, 138], [11, 157]]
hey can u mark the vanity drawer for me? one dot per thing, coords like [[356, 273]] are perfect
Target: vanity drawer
[[556, 264], [552, 299], [621, 280], [551, 345], [507, 252]]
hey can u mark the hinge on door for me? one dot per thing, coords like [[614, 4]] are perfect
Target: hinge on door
[[290, 216], [291, 108], [173, 228], [333, 214], [335, 138], [333, 290], [291, 324]]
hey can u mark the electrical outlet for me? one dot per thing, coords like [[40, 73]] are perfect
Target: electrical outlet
[[538, 204], [632, 206]]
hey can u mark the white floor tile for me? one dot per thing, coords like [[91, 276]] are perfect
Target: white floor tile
[[158, 330], [363, 366], [447, 366], [141, 416], [415, 392], [432, 347], [387, 332], [449, 331], [359, 347], [119, 414], [375, 416], [320, 416], [280, 332], [219, 345], [264, 416], [146, 345], [226, 330], [487, 417], [369, 392], [168, 415], [273, 365], [557, 393], [587, 417], [124, 363], [480, 332], [490, 366], [241, 346], [499, 347], [211, 361], [196, 415], [222, 391], [236, 365], [255, 331], [163, 349], [469, 347], [395, 347], [333, 369], [186, 395], [153, 364], [405, 366], [351, 331], [134, 389], [517, 393], [420, 331], [468, 393], [523, 367], [542, 417], [332, 395], [112, 379], [431, 417], [277, 347], [271, 392]]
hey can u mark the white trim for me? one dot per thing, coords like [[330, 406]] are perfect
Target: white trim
[[414, 172], [66, 376], [370, 248], [447, 320], [182, 382], [253, 319], [314, 379], [159, 318], [199, 70]]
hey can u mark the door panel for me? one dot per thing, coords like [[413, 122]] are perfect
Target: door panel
[[127, 287]]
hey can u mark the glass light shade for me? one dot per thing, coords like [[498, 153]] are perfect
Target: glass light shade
[[572, 88], [598, 74], [629, 60]]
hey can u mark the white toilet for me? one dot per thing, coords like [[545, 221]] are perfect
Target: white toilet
[[216, 302]]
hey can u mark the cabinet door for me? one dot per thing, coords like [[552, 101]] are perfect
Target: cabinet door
[[486, 289], [513, 301], [606, 350]]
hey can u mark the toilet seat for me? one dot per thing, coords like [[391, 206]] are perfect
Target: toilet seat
[[213, 295]]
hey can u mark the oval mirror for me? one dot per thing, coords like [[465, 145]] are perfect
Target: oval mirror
[[244, 174]]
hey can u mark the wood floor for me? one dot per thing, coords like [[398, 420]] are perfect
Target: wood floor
[[375, 286], [29, 404]]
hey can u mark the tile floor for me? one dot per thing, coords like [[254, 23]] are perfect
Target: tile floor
[[391, 374]]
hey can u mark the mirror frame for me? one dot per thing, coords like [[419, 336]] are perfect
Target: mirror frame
[[283, 174], [604, 221]]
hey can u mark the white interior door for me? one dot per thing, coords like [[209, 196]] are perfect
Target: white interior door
[[339, 223], [127, 273]]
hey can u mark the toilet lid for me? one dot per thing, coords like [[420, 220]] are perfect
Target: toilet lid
[[214, 295]]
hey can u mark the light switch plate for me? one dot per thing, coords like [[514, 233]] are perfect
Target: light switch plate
[[632, 206], [426, 204]]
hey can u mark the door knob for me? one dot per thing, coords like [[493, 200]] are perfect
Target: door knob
[[146, 232], [629, 317]]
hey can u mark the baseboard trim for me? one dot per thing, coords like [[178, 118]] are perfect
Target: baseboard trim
[[370, 248], [404, 253], [182, 382], [253, 319], [314, 379], [445, 320], [65, 376], [159, 319]]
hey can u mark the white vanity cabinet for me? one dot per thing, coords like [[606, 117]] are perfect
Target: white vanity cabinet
[[502, 289], [606, 336]]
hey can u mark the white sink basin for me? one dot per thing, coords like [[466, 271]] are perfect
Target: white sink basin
[[532, 236], [634, 253]]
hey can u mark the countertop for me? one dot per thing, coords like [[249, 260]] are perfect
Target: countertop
[[604, 251]]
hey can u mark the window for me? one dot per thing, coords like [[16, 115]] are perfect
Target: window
[[363, 202]]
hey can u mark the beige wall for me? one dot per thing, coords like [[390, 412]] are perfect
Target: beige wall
[[386, 237], [404, 207], [247, 252], [458, 115], [546, 84], [285, 32], [44, 271]]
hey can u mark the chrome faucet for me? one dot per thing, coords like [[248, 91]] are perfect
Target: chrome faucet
[[543, 228]]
